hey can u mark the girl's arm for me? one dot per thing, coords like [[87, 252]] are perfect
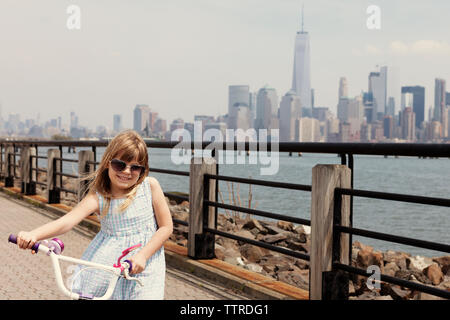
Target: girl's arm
[[165, 227], [84, 208]]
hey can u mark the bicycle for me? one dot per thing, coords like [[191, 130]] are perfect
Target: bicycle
[[54, 247]]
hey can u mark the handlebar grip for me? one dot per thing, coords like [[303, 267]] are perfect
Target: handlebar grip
[[13, 238], [130, 264]]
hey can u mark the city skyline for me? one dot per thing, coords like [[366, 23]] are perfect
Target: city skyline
[[107, 77]]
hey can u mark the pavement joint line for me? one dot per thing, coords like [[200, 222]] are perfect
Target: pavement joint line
[[248, 283]]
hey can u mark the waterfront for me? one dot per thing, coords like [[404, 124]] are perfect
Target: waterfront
[[408, 175]]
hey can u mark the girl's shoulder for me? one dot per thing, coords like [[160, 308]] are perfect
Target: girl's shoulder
[[152, 181]]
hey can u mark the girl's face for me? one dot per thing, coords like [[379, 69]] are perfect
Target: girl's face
[[122, 179]]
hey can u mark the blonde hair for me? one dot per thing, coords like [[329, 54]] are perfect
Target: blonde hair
[[131, 147]]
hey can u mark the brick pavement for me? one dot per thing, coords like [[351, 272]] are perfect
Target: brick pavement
[[30, 277]]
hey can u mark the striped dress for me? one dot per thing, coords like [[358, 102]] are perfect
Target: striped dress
[[119, 231]]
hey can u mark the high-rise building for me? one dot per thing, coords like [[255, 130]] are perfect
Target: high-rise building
[[141, 117], [238, 99], [266, 109], [408, 124], [117, 123], [439, 105], [414, 97], [378, 88], [290, 110], [301, 79], [73, 120], [388, 126], [343, 88], [307, 130]]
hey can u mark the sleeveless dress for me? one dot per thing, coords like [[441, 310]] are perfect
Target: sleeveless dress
[[119, 231]]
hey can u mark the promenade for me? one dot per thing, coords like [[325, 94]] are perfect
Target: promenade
[[30, 277]]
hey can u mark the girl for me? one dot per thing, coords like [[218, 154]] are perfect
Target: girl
[[132, 210]]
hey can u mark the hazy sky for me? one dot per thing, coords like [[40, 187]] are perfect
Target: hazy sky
[[180, 56]]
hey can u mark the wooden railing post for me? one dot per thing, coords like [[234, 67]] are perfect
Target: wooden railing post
[[9, 169], [201, 243], [27, 174], [53, 183], [323, 280], [84, 169]]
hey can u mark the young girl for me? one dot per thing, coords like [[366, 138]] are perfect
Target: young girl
[[132, 210]]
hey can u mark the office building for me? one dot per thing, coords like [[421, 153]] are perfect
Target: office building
[[266, 109], [290, 110], [414, 97], [378, 88], [117, 123], [301, 78], [238, 106], [141, 117]]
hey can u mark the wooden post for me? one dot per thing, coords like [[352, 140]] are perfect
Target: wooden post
[[27, 175], [84, 169], [200, 243], [9, 169], [325, 178], [53, 183]]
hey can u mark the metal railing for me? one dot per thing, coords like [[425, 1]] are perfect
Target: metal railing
[[346, 151]]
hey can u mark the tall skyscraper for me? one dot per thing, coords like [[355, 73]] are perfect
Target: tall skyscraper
[[266, 109], [141, 117], [414, 97], [343, 87], [440, 105], [378, 88], [290, 110], [407, 123], [117, 123], [301, 79], [238, 106]]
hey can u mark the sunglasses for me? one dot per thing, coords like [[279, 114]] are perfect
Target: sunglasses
[[119, 165]]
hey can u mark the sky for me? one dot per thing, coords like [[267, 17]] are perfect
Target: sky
[[180, 56]]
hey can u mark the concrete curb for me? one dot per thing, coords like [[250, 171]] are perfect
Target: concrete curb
[[245, 282]]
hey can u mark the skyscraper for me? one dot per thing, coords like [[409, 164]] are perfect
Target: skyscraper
[[301, 79], [238, 106], [266, 109], [440, 104], [117, 123], [343, 87], [141, 117], [378, 88], [290, 110], [417, 93]]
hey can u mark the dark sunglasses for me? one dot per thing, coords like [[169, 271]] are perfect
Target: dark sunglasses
[[119, 165]]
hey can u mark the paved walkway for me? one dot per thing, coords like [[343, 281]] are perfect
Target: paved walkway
[[30, 277]]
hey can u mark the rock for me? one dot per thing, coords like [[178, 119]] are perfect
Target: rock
[[245, 234], [398, 294], [399, 258], [426, 296], [274, 238], [237, 261], [418, 263], [391, 268], [252, 224], [251, 253], [444, 263], [434, 273], [299, 279], [285, 225], [367, 257], [271, 229], [297, 246], [254, 267], [219, 251], [184, 204], [360, 246], [412, 275]]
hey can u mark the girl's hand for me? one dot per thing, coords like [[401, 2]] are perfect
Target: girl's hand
[[139, 262], [26, 240]]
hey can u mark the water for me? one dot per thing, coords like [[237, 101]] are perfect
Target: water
[[407, 175]]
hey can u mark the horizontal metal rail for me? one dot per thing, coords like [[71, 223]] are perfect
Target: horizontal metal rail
[[383, 149], [66, 160], [393, 238], [67, 175], [38, 157], [265, 183], [39, 170], [41, 183], [258, 212], [395, 197], [180, 222], [397, 281], [176, 196], [289, 252], [174, 172]]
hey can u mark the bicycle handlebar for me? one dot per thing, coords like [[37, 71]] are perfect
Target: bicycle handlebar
[[13, 238]]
